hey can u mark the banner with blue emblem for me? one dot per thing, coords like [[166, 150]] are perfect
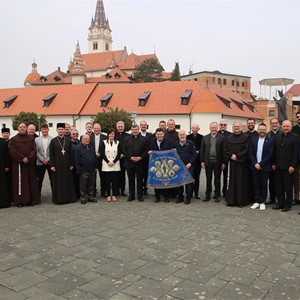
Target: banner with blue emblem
[[167, 170]]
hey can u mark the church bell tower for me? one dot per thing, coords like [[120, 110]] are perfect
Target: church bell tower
[[99, 37]]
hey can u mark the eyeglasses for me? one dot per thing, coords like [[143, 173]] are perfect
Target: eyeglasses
[[75, 133], [223, 124]]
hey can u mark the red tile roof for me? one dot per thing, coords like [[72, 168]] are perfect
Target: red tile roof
[[165, 98], [69, 99], [133, 60], [103, 60], [295, 90]]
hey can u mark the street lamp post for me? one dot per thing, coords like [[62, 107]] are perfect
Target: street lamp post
[[39, 123], [133, 116]]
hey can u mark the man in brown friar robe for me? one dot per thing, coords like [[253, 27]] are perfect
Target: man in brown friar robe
[[61, 163], [4, 172], [22, 150], [236, 153]]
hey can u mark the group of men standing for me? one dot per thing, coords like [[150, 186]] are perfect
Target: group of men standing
[[249, 161]]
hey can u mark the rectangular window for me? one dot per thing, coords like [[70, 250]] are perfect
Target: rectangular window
[[271, 113], [224, 81], [219, 80], [213, 81], [177, 126], [232, 82], [106, 46], [243, 84], [95, 46], [237, 83]]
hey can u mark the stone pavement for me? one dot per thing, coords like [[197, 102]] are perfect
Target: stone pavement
[[123, 251]]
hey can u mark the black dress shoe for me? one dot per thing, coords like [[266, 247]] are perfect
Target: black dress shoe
[[299, 213], [141, 199], [92, 200], [285, 209], [179, 200], [30, 204], [197, 197], [20, 205], [157, 199], [187, 200], [166, 200], [207, 198], [217, 199], [276, 206], [130, 198], [83, 202]]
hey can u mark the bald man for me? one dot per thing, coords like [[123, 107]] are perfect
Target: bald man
[[285, 161]]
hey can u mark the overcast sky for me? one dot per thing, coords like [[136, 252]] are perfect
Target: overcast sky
[[259, 39]]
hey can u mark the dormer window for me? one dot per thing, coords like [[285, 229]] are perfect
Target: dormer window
[[185, 97], [105, 100], [8, 102], [117, 75], [107, 76], [224, 100], [239, 104], [43, 78], [57, 78], [250, 106], [144, 98], [47, 100]]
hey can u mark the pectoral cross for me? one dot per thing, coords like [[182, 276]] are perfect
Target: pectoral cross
[[63, 151]]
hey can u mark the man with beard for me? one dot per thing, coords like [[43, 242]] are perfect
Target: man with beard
[[252, 133], [285, 160], [236, 154], [197, 139], [22, 150], [260, 153], [274, 131], [296, 185], [62, 163]]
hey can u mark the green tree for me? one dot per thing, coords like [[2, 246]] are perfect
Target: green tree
[[108, 119], [175, 76], [28, 118], [148, 71]]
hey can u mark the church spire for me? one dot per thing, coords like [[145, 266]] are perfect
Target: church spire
[[99, 38], [100, 19], [77, 70]]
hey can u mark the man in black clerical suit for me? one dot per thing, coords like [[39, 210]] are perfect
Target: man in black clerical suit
[[148, 136], [120, 136], [285, 160], [160, 143], [135, 149], [197, 139]]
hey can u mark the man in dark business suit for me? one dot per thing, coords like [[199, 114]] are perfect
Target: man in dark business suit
[[160, 143], [284, 162], [196, 137], [148, 136], [212, 160], [135, 149], [260, 154], [224, 132]]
